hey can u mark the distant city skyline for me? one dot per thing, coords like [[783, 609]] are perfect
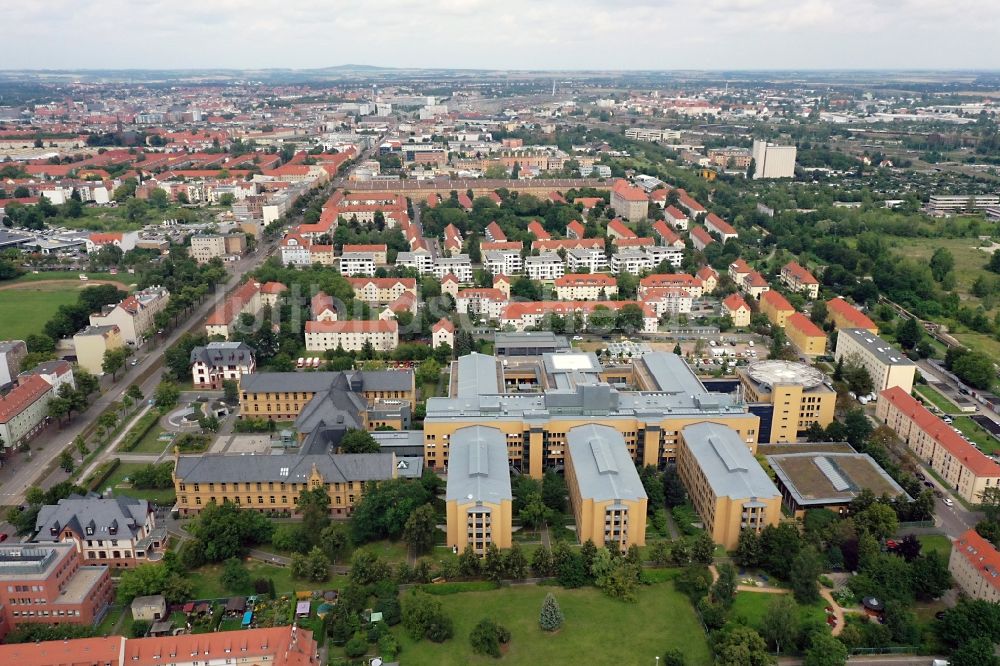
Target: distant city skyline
[[513, 35]]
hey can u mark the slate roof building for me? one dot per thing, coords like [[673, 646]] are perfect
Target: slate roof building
[[220, 361]]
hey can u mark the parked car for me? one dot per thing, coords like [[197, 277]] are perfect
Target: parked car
[[948, 501]]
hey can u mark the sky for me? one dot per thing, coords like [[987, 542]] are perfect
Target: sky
[[501, 34]]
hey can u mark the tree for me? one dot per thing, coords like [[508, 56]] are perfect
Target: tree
[[314, 565], [367, 568], [334, 541], [673, 489], [878, 520], [909, 333], [779, 627], [469, 563], [166, 395], [825, 650], [723, 591], [231, 391], [515, 563], [741, 646], [551, 617], [993, 265], [942, 263], [703, 548], [931, 577], [420, 529], [358, 441], [487, 637], [493, 564], [235, 577], [541, 562], [975, 369], [384, 508], [969, 620], [630, 318], [977, 652], [227, 531], [748, 549], [423, 617], [804, 575], [66, 461], [554, 491], [147, 579]]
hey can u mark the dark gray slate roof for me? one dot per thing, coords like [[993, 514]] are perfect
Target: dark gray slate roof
[[312, 382], [77, 512], [290, 468], [216, 354]]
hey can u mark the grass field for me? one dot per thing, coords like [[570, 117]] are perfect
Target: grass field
[[936, 542], [659, 620], [987, 442], [165, 496], [25, 311], [71, 275], [150, 442], [752, 606], [969, 259], [937, 399]]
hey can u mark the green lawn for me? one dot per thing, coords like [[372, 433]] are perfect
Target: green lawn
[[25, 311], [392, 551], [936, 542], [934, 397], [72, 275], [752, 606], [987, 442], [165, 496], [970, 261], [598, 630], [150, 442]]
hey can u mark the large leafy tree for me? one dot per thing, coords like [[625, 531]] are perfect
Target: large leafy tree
[[227, 531], [384, 508]]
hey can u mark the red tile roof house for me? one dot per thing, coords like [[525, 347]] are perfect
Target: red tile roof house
[[676, 218], [667, 236], [797, 278], [701, 238], [737, 309], [617, 229], [575, 229], [539, 232], [716, 224], [494, 233], [24, 410]]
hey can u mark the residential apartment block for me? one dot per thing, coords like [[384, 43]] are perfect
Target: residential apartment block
[[629, 202], [962, 466], [24, 410], [548, 266], [92, 343], [776, 308], [585, 287], [887, 366], [773, 161], [807, 337], [135, 316], [12, 353], [975, 566], [798, 279], [352, 335], [845, 315]]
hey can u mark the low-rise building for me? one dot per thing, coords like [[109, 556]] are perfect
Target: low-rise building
[[379, 292], [135, 316], [716, 225], [776, 308], [12, 353], [729, 489], [700, 238], [217, 362], [886, 365], [486, 303], [459, 265], [798, 279], [797, 392], [379, 251], [357, 263], [92, 343], [150, 608], [352, 335], [585, 287], [547, 266], [245, 299], [529, 314], [24, 410], [478, 497], [737, 309], [605, 491], [709, 278], [590, 259], [829, 480], [443, 333], [50, 584], [975, 566], [845, 315], [676, 218], [807, 337], [119, 532], [962, 466], [205, 247], [692, 284]]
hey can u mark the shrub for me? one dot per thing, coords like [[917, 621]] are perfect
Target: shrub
[[487, 636], [357, 646]]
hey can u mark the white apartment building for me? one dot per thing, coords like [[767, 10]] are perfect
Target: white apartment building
[[630, 260], [295, 251], [357, 263], [205, 247], [546, 266], [24, 410], [459, 265], [669, 300], [660, 253], [773, 161], [581, 259], [383, 334], [419, 259], [487, 303], [503, 262], [586, 287]]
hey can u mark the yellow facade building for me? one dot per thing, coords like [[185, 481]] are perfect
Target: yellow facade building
[[281, 396], [574, 392], [797, 392], [92, 343], [606, 493], [887, 366], [478, 496], [807, 337], [776, 308], [726, 484]]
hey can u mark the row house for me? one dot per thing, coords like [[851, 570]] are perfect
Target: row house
[[717, 225], [617, 229], [494, 233], [686, 202], [538, 231], [700, 238], [676, 218], [524, 315], [666, 236]]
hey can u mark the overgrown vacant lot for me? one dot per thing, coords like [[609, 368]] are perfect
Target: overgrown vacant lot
[[598, 630]]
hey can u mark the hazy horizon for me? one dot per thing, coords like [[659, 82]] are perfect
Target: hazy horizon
[[555, 35]]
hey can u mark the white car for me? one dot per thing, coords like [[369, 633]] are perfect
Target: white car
[[948, 420], [578, 337], [948, 501]]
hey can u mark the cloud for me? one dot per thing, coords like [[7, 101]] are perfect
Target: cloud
[[515, 34]]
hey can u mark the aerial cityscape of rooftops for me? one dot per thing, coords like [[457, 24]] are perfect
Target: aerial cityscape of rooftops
[[365, 365]]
